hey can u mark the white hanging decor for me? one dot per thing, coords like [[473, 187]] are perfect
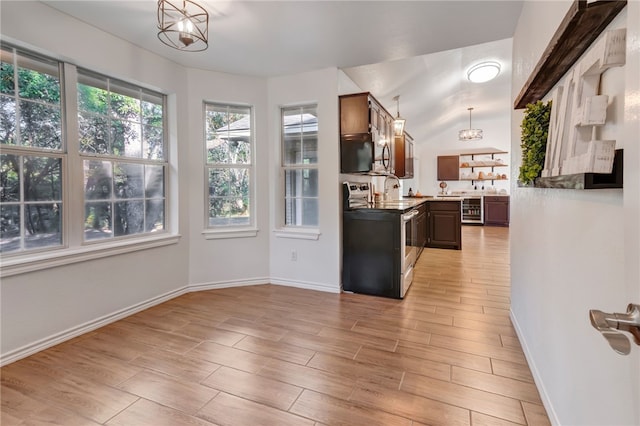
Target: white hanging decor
[[470, 134]]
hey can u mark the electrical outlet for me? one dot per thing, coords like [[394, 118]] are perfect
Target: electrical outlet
[[294, 255]]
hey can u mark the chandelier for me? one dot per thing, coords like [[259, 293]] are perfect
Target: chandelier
[[183, 25], [470, 134]]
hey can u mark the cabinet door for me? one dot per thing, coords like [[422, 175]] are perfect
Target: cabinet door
[[496, 211], [448, 167], [408, 159], [444, 225], [354, 114]]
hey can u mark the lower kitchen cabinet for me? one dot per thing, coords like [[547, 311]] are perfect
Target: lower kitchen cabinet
[[443, 225], [496, 210], [371, 253]]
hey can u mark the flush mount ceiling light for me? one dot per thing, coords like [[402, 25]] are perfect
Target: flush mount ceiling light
[[183, 25], [398, 123], [470, 134], [484, 71]]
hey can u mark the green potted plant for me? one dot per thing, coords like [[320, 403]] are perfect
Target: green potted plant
[[535, 129]]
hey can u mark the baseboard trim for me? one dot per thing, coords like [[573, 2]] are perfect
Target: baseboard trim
[[70, 333], [227, 284], [546, 401], [76, 331], [305, 284]]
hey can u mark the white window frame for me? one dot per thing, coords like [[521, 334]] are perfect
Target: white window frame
[[73, 248], [229, 231], [288, 230]]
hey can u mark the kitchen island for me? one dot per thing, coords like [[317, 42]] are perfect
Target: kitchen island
[[382, 241]]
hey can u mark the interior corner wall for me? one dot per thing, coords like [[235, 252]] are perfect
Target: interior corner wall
[[567, 256], [229, 261], [318, 261], [38, 307]]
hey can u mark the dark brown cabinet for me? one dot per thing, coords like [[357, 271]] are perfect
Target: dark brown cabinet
[[496, 210], [365, 125], [448, 167], [403, 156], [443, 225]]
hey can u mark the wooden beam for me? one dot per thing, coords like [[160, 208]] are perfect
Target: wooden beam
[[580, 27]]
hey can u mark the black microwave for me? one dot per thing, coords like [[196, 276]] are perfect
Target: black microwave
[[356, 153]]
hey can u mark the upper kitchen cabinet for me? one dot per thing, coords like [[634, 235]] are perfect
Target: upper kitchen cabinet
[[365, 124], [403, 156], [448, 167]]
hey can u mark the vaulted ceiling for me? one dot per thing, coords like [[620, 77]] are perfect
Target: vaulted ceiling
[[418, 49]]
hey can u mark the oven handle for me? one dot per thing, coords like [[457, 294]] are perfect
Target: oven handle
[[408, 216]]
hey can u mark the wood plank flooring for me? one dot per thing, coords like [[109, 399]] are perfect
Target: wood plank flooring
[[269, 355]]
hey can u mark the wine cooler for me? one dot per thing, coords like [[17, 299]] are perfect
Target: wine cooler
[[472, 210]]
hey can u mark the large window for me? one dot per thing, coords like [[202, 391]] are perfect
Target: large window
[[31, 160], [229, 165], [121, 143], [118, 150], [300, 165]]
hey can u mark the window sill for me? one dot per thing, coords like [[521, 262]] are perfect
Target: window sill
[[44, 260], [229, 233], [298, 233]]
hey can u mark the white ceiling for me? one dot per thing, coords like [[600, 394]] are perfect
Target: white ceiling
[[419, 49]]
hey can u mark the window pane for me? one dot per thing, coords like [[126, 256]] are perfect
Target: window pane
[[301, 182], [97, 180], [38, 86], [126, 139], [310, 212], [9, 228], [42, 179], [153, 142], [43, 225], [7, 80], [154, 216], [125, 107], [40, 125], [300, 134], [228, 134], [97, 221], [128, 180], [7, 120], [93, 133], [154, 181], [229, 192], [128, 218], [92, 99], [9, 178]]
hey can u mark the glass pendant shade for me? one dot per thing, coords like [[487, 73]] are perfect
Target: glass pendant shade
[[183, 25], [398, 123], [470, 134]]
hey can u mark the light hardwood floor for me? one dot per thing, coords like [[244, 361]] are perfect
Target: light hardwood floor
[[268, 355]]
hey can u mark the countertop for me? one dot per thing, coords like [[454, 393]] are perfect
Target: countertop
[[407, 203]]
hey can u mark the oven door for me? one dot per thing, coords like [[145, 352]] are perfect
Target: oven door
[[408, 244]]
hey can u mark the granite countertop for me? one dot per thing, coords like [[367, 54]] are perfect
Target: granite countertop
[[407, 203]]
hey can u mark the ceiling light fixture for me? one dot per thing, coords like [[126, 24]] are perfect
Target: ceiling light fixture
[[470, 134], [483, 72], [183, 25], [398, 123]]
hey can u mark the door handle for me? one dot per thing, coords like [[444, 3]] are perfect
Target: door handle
[[610, 325]]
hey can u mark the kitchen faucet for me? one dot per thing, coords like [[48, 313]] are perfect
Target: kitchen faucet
[[396, 185]]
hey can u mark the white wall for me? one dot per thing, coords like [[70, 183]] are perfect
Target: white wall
[[493, 118], [42, 305], [233, 261], [568, 256], [318, 261]]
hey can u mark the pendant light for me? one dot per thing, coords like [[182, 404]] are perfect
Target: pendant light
[[398, 123], [183, 25], [470, 134]]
